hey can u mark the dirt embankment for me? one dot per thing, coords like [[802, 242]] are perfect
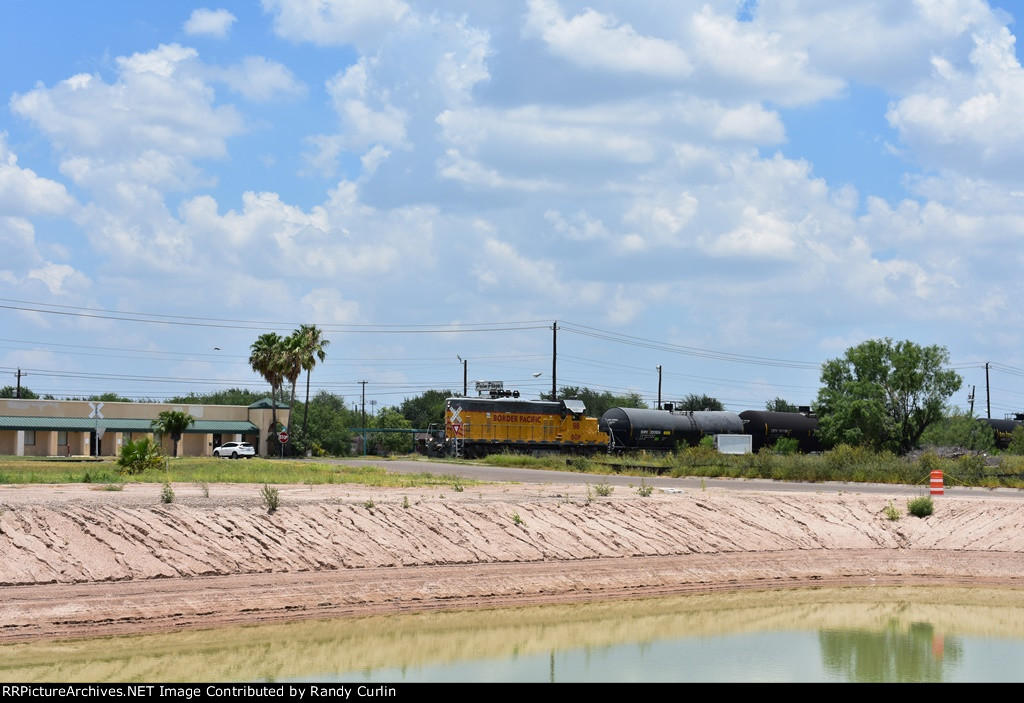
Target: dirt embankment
[[76, 562]]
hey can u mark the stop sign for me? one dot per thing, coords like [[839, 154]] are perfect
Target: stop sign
[[283, 436]]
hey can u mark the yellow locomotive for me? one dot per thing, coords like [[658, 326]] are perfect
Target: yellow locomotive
[[475, 427]]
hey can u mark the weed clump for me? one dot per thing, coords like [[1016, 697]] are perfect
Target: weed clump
[[892, 512], [166, 493], [921, 507], [271, 497]]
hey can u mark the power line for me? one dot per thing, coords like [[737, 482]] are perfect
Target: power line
[[226, 323]]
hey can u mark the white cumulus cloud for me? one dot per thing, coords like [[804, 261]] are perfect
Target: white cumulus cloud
[[335, 22], [600, 41], [211, 23]]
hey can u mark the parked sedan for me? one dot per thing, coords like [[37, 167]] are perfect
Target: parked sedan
[[234, 450]]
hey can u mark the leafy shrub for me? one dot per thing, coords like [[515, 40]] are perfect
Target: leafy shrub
[[138, 456], [930, 461], [1016, 445], [960, 430], [786, 445], [970, 468], [644, 489], [603, 489], [892, 512], [921, 507], [166, 493]]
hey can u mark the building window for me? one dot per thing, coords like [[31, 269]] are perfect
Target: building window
[[30, 438], [62, 438]]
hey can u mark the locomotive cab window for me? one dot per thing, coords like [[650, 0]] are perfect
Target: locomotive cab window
[[575, 406]]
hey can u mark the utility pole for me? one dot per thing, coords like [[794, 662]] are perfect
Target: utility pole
[[19, 375], [554, 361], [465, 376], [988, 395], [970, 399], [659, 386], [364, 417]]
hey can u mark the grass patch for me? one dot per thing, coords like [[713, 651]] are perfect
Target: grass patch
[[203, 471]]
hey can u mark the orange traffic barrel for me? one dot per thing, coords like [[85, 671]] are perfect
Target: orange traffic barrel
[[936, 489]]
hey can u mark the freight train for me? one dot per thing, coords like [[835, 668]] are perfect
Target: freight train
[[475, 427], [1002, 430]]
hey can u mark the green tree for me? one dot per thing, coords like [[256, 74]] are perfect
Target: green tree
[[780, 405], [313, 346], [425, 408], [111, 397], [699, 402], [291, 361], [599, 402], [266, 357], [12, 392], [329, 426], [231, 396], [391, 442], [173, 423], [884, 394]]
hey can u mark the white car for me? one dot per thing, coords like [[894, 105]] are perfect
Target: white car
[[234, 450]]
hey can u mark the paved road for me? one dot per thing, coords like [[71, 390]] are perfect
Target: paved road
[[542, 476]]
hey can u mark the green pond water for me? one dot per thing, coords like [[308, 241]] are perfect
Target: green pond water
[[812, 635]]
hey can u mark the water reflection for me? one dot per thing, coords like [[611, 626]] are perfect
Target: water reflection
[[874, 634], [914, 653]]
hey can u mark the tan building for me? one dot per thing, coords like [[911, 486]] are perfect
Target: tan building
[[82, 428]]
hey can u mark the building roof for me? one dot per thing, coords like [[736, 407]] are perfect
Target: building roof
[[84, 424], [267, 404]]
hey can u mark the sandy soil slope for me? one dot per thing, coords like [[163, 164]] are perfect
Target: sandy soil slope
[[75, 561]]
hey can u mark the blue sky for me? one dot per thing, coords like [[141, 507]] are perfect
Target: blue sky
[[735, 191]]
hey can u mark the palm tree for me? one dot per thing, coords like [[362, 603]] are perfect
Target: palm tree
[[173, 423], [291, 360], [265, 358], [312, 345]]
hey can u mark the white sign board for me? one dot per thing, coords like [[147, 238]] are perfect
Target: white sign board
[[734, 443], [485, 387]]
